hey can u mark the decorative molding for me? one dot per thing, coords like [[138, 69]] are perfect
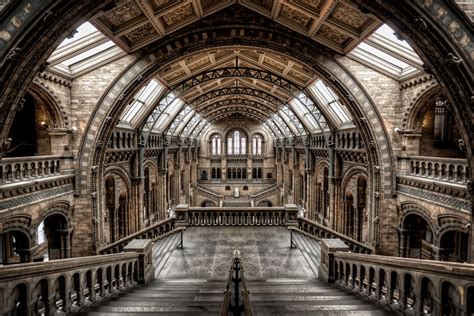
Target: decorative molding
[[39, 196]]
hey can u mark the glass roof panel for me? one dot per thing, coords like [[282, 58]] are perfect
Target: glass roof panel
[[330, 101], [143, 100], [168, 114], [82, 31], [386, 53], [303, 112], [380, 54], [88, 53], [387, 32]]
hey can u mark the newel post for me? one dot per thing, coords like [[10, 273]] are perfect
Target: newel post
[[291, 215], [181, 214], [327, 269], [146, 271]]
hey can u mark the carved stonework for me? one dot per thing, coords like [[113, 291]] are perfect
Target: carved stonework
[[332, 34], [349, 16], [123, 14], [140, 32], [313, 3], [178, 15], [295, 16]]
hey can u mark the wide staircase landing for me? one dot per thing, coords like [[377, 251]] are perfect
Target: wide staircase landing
[[230, 201], [281, 280]]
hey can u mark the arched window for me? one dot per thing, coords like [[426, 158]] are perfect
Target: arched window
[[216, 145], [229, 146], [236, 143], [257, 145]]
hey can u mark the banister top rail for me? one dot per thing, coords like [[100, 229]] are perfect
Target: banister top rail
[[227, 292], [236, 276], [34, 269], [451, 269], [34, 158], [135, 235], [461, 161], [336, 234], [302, 232], [171, 232], [245, 294]]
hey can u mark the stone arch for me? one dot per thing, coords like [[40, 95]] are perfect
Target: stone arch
[[351, 172], [150, 200], [121, 173], [50, 102], [22, 223], [410, 208], [418, 105], [208, 203], [452, 222], [59, 208]]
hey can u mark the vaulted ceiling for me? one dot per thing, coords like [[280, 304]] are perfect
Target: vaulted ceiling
[[338, 24], [209, 85]]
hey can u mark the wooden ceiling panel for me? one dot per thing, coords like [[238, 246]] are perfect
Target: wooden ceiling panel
[[337, 24]]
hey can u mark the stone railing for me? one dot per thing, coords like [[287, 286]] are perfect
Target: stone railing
[[62, 286], [20, 169], [237, 216], [151, 232], [409, 286], [442, 169], [258, 196], [212, 195], [320, 231]]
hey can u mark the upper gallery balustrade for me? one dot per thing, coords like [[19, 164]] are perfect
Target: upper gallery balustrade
[[441, 169], [19, 169]]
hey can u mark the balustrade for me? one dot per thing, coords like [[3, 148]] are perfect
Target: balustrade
[[411, 286], [249, 216], [320, 231], [19, 169], [151, 232], [62, 286], [441, 169]]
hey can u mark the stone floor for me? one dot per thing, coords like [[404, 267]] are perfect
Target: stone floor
[[265, 253]]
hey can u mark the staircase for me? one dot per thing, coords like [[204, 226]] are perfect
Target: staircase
[[230, 201], [306, 297], [281, 280]]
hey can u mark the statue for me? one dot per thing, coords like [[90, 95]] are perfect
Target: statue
[[236, 193]]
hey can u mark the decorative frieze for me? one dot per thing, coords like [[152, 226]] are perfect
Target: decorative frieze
[[445, 200], [38, 196]]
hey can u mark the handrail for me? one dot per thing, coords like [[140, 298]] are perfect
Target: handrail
[[227, 293], [354, 245], [419, 286], [238, 307], [302, 232], [35, 269], [119, 244], [245, 295]]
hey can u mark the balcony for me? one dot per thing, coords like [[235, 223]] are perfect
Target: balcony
[[450, 170], [23, 169]]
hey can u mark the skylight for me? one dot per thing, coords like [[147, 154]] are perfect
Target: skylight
[[82, 31], [331, 103], [142, 101], [86, 50], [384, 52]]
